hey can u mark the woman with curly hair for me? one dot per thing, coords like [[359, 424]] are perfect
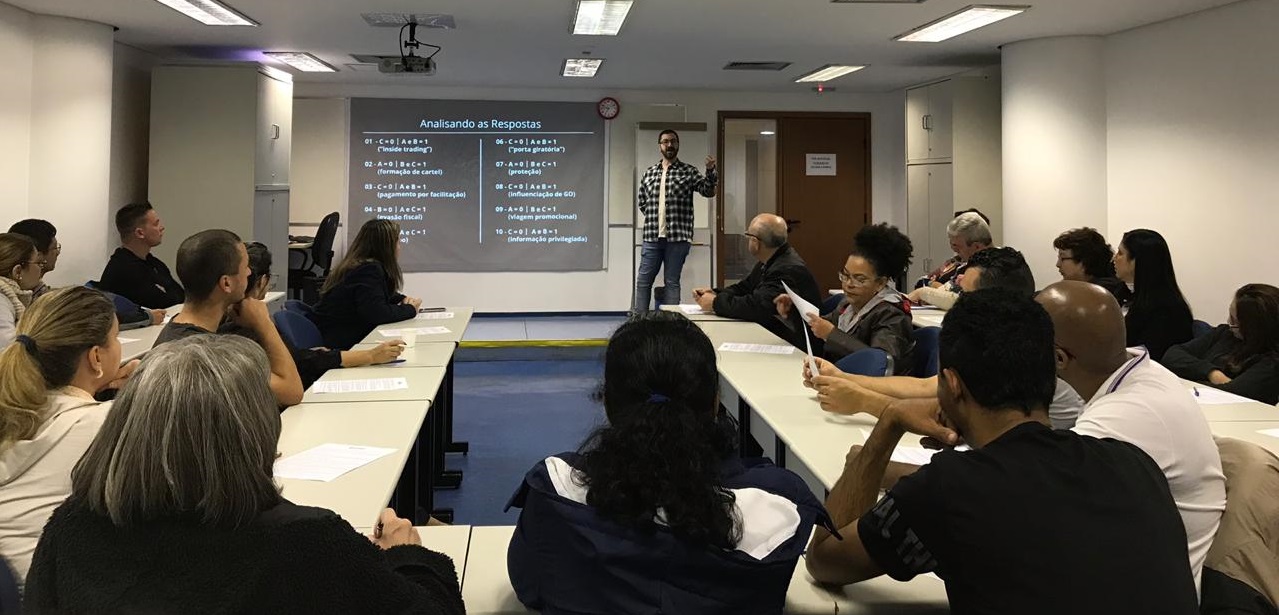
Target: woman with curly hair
[[657, 512], [872, 314]]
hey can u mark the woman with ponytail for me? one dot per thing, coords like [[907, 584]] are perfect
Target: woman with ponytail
[[656, 512], [65, 351]]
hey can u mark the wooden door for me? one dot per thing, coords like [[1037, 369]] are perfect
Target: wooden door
[[825, 210]]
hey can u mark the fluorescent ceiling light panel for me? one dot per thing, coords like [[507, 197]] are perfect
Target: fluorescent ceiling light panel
[[302, 61], [767, 133], [209, 12], [967, 20], [828, 73], [581, 67], [600, 17]]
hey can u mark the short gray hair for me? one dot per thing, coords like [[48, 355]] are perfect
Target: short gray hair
[[194, 432], [971, 228]]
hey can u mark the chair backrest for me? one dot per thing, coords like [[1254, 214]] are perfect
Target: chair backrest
[[10, 597], [832, 302], [926, 351], [865, 362], [297, 330], [1199, 327], [322, 247], [300, 307]]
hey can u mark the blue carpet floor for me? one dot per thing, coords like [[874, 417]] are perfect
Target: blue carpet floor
[[514, 414]]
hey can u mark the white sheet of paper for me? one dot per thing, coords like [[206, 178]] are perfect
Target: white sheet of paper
[[1208, 396], [328, 461], [913, 455], [126, 340], [1273, 433], [420, 331], [756, 348], [692, 308], [367, 385], [435, 316], [805, 310]]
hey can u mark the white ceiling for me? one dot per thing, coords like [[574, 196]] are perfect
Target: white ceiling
[[665, 44]]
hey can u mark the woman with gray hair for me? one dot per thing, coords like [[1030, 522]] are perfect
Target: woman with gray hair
[[173, 509]]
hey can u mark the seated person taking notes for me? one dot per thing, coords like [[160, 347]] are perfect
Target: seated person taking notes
[[658, 513], [214, 266], [195, 523], [133, 271], [363, 291], [311, 362], [871, 314], [752, 298], [1005, 524], [1240, 357]]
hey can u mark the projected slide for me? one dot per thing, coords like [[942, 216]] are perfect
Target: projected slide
[[481, 185]]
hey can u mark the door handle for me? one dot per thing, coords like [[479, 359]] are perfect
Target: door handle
[[790, 224]]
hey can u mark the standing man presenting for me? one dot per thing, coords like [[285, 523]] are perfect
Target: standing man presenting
[[666, 200]]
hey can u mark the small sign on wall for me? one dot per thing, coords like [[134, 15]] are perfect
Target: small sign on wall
[[819, 164]]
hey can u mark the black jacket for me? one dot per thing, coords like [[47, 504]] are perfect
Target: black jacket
[[752, 298], [147, 283], [886, 326], [292, 559], [1159, 328], [362, 300], [1193, 360]]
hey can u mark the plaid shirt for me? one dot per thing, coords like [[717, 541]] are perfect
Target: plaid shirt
[[682, 179]]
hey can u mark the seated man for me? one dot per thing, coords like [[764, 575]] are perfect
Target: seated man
[[1005, 524], [752, 298], [214, 267], [133, 272], [1134, 399], [1002, 268], [969, 234]]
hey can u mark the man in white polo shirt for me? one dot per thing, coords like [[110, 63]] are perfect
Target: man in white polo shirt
[[1134, 399]]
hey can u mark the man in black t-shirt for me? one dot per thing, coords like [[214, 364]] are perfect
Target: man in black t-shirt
[[1031, 520], [133, 271]]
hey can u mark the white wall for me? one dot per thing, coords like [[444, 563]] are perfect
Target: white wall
[[1194, 145], [1054, 145], [607, 290], [16, 46], [130, 132]]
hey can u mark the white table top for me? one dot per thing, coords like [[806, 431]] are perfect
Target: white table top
[[451, 540], [698, 317], [926, 317], [1250, 431], [487, 589], [1245, 410], [359, 495], [422, 354], [456, 326], [423, 383], [921, 595]]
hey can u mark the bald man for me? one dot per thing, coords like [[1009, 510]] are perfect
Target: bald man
[[1133, 399], [752, 298]]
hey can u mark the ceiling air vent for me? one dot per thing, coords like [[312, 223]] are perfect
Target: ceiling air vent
[[395, 20], [756, 65]]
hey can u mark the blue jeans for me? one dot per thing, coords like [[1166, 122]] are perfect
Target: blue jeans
[[669, 256]]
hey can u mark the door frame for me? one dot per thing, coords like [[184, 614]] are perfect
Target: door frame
[[778, 116]]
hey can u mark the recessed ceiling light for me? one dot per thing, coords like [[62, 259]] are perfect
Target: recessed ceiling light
[[209, 12], [828, 73], [302, 61], [966, 20], [581, 67], [600, 17], [767, 133]]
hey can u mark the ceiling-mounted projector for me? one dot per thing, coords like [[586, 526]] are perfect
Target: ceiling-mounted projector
[[417, 65]]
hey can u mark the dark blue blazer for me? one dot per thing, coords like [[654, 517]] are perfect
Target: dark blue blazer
[[362, 300]]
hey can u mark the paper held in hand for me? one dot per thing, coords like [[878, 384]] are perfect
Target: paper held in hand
[[806, 310]]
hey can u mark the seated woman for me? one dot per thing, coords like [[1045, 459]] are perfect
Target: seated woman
[[21, 272], [1242, 356], [1158, 316], [66, 351], [363, 291], [45, 236], [871, 314], [173, 509], [1084, 255], [657, 513], [311, 362]]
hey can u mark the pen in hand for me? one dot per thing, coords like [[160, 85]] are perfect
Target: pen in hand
[[1196, 390], [377, 530]]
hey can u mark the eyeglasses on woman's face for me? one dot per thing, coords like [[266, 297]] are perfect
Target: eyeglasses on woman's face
[[855, 281]]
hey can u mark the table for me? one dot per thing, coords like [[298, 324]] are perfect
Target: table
[[301, 245], [487, 589], [451, 540], [698, 317], [422, 354], [456, 326], [359, 495], [1250, 431], [423, 383], [1245, 410], [922, 594], [926, 317]]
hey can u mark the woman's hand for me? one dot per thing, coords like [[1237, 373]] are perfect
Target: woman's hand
[[821, 327], [392, 531]]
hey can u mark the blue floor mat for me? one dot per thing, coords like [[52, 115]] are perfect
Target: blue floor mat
[[514, 414]]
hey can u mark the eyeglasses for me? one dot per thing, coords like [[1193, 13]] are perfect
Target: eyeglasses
[[668, 142], [855, 281], [42, 264], [752, 236]]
